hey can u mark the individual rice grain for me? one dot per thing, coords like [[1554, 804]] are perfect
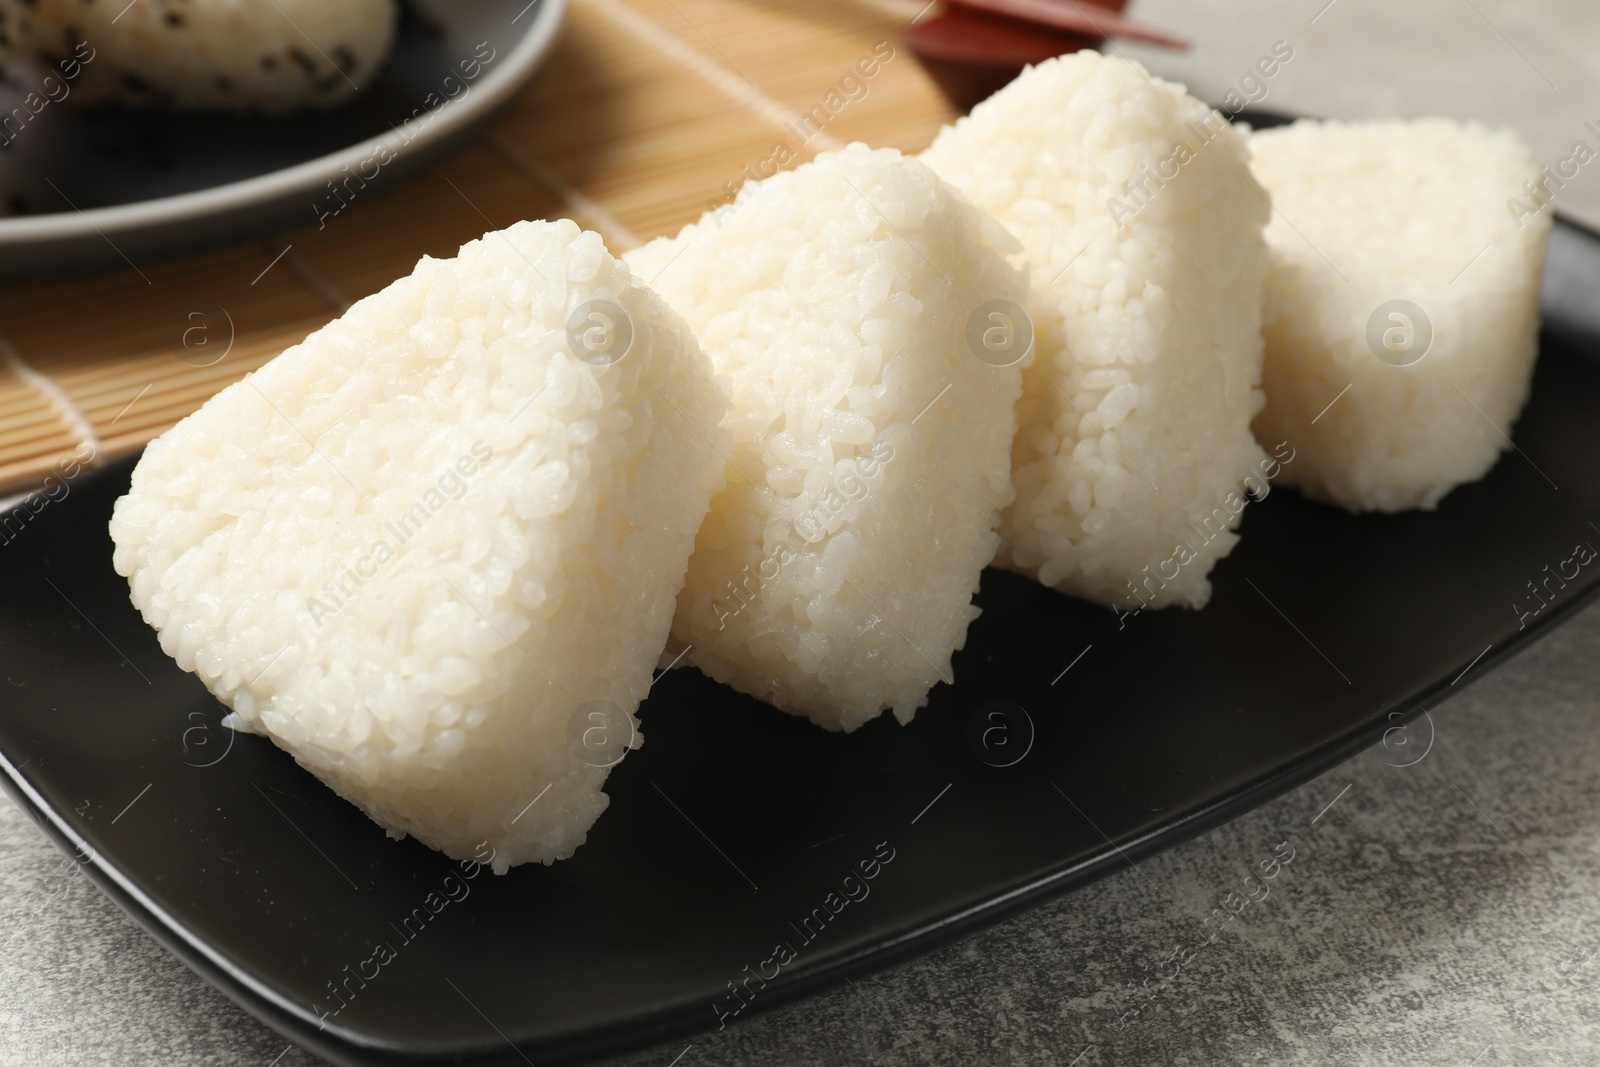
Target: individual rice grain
[[1402, 305], [425, 548], [835, 573], [1142, 234]]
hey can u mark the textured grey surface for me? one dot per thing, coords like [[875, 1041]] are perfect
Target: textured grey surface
[[1443, 913]]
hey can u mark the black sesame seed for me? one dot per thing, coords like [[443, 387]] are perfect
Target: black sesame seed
[[269, 62], [134, 82], [303, 61], [172, 18], [224, 83]]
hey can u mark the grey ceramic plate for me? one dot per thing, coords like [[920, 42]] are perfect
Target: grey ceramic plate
[[85, 190]]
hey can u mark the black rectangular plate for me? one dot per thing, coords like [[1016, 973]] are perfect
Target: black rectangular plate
[[734, 824]]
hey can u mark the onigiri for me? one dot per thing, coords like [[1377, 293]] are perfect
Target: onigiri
[[235, 55], [1142, 233], [870, 333], [432, 551], [1402, 304]]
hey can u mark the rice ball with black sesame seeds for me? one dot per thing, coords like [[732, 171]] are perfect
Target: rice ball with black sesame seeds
[[1143, 236], [432, 551], [835, 573], [232, 55], [1402, 304]]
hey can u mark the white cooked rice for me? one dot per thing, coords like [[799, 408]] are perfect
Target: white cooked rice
[[538, 513], [1373, 212], [249, 55], [1133, 452], [835, 573]]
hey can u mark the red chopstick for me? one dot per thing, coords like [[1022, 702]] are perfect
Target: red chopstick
[[1074, 17], [963, 36]]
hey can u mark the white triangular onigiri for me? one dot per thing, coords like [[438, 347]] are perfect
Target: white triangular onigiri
[[845, 303], [432, 550], [1402, 303], [1143, 235]]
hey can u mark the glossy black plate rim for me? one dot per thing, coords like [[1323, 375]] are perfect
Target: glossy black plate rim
[[352, 1047]]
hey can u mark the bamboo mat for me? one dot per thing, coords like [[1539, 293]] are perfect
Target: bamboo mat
[[646, 113]]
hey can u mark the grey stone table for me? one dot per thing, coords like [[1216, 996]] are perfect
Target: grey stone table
[[1443, 913]]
